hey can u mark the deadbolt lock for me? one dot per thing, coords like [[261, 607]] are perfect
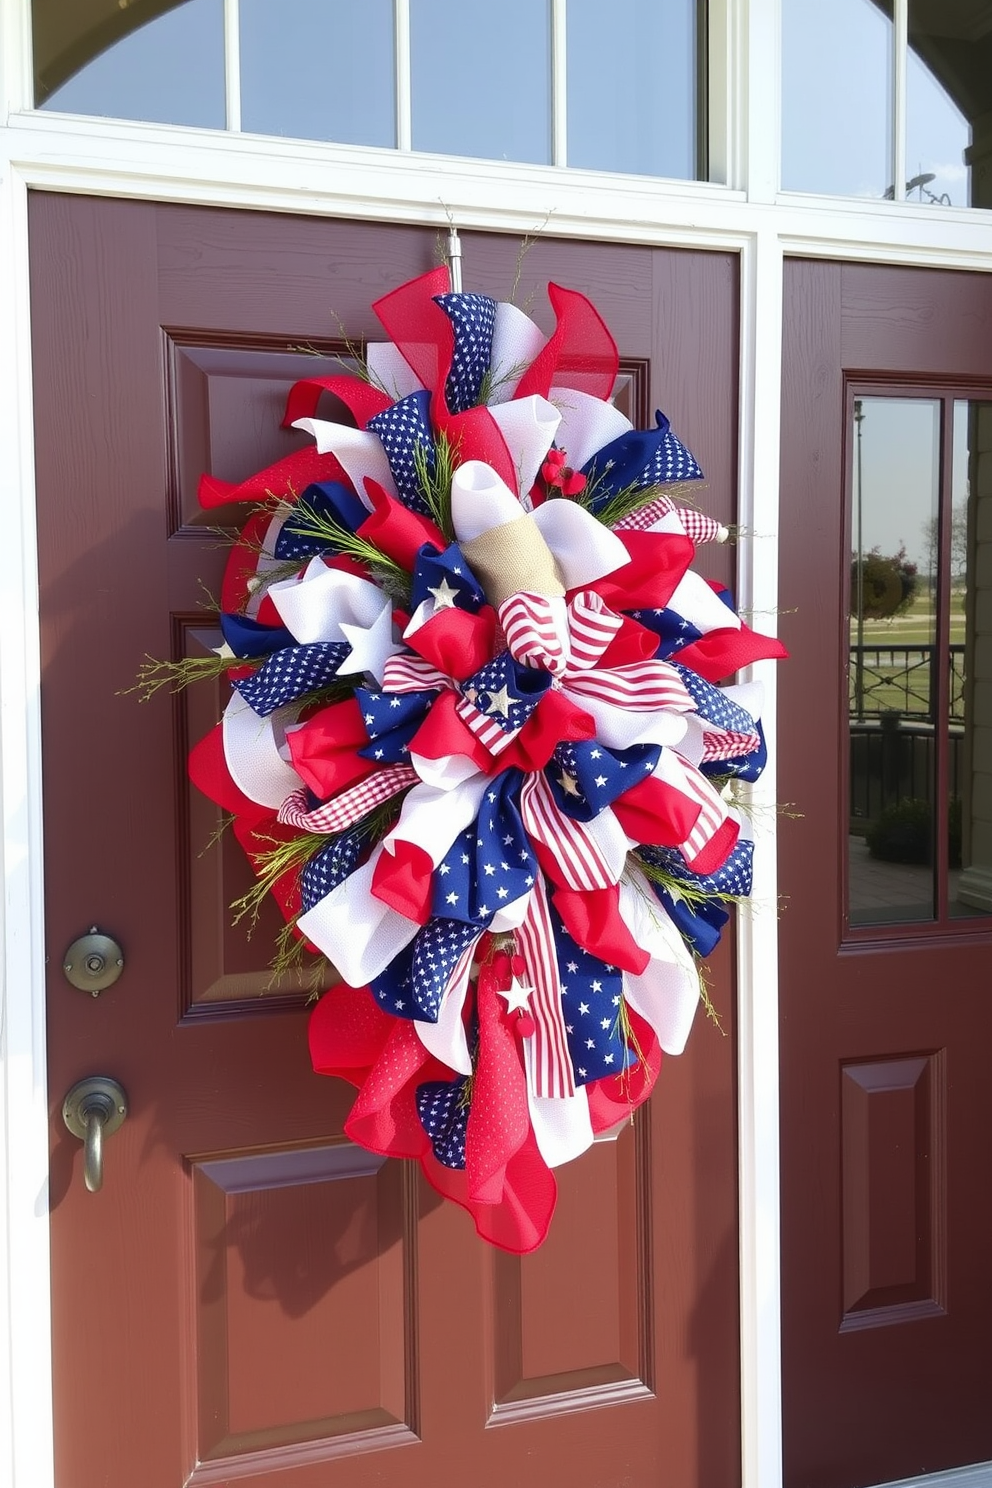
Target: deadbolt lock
[[93, 962]]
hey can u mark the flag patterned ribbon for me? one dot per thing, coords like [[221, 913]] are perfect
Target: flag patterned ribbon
[[550, 1067]]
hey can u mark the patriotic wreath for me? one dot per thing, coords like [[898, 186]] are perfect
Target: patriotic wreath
[[475, 746]]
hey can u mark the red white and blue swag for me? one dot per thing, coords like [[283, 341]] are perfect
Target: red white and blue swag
[[494, 714]]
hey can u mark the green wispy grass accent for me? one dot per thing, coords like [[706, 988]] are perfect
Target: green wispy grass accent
[[678, 887], [434, 478], [392, 579], [176, 676]]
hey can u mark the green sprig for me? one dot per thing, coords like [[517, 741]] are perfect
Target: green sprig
[[394, 580], [176, 676], [434, 476]]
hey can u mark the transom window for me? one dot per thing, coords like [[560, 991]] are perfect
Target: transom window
[[561, 82], [888, 99]]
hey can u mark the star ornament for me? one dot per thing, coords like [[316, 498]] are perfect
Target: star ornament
[[517, 996], [444, 596], [371, 646], [501, 702]]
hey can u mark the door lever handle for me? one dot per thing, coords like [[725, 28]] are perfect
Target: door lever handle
[[94, 1109]]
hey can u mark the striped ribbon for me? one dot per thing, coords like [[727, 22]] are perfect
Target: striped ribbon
[[641, 687], [351, 805], [712, 807], [721, 744], [408, 672], [485, 727], [533, 633], [550, 1065], [576, 852]]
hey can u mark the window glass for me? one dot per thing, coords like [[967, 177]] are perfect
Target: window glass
[[970, 720], [893, 672], [319, 69], [481, 78], [170, 71], [631, 86], [837, 97], [948, 85]]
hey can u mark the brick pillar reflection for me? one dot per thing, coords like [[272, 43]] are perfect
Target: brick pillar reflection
[[975, 888], [978, 157]]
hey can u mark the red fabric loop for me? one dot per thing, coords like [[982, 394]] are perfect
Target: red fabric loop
[[655, 812], [658, 563], [419, 327], [455, 641], [402, 879], [362, 399], [720, 653], [580, 354], [324, 750], [286, 479], [592, 917], [396, 530]]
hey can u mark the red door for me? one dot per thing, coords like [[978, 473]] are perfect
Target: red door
[[887, 938], [250, 1297]]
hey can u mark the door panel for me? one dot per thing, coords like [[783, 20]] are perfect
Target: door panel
[[886, 1103], [263, 1301]]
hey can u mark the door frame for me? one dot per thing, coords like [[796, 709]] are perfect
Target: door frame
[[40, 151]]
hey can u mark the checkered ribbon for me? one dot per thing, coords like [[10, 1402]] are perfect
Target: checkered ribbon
[[351, 805], [700, 528]]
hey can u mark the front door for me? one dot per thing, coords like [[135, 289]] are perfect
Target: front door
[[887, 876], [250, 1298]]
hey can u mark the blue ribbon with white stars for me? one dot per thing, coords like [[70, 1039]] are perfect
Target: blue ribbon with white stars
[[473, 319], [249, 638], [414, 982], [713, 704], [673, 630], [506, 691], [591, 992], [491, 863], [290, 674], [402, 427], [743, 766], [443, 1112], [328, 867], [446, 575], [641, 457], [391, 719], [701, 921], [586, 777], [328, 499]]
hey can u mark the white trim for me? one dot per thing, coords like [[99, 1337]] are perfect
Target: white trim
[[900, 44], [757, 942], [232, 65], [559, 84], [402, 63], [25, 1312], [760, 38]]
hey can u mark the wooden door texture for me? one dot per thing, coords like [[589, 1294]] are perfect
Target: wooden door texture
[[886, 1099], [251, 1299]]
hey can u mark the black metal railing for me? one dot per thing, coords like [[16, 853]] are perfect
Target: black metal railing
[[888, 680]]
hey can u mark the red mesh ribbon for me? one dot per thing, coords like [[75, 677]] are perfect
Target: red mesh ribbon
[[581, 353]]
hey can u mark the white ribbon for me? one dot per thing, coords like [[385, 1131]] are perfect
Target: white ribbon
[[359, 451], [358, 933], [315, 607], [251, 750], [529, 426], [667, 991], [516, 342], [587, 424]]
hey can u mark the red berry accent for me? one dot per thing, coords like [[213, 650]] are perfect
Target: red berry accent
[[526, 1026]]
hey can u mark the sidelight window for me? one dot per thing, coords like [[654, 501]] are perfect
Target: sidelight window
[[561, 82], [920, 660]]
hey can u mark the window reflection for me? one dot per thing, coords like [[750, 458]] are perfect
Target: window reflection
[[170, 71], [318, 69], [646, 129], [970, 542], [837, 97], [949, 101], [481, 79], [894, 681]]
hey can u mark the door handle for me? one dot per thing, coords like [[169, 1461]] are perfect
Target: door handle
[[94, 1109]]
